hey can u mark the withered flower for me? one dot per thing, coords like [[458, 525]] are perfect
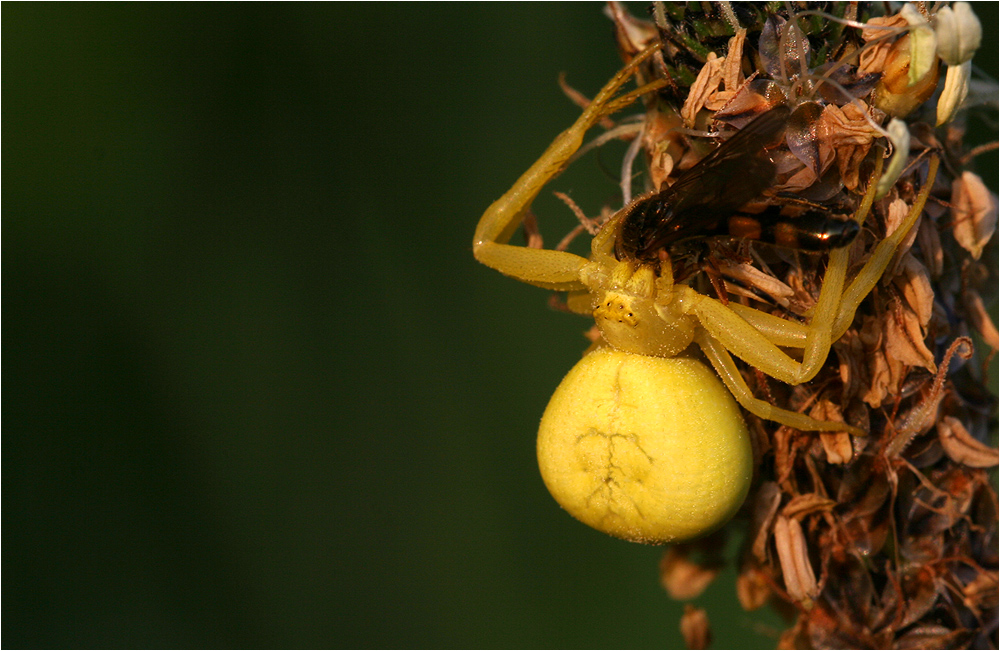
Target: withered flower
[[973, 212], [890, 540]]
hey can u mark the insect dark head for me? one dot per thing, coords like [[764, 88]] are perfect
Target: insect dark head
[[640, 224]]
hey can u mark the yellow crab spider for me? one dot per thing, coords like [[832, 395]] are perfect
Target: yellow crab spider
[[641, 440]]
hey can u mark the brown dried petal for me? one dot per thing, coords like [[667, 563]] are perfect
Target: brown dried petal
[[875, 27], [930, 247], [847, 125], [784, 453], [718, 99], [732, 72], [802, 505], [849, 159], [904, 339], [695, 628], [663, 145], [915, 283], [800, 581], [765, 506], [707, 83], [975, 310], [962, 448], [837, 445], [633, 35], [895, 215], [931, 636], [846, 134], [983, 588], [974, 213], [881, 380], [873, 58], [682, 578], [898, 210], [752, 589]]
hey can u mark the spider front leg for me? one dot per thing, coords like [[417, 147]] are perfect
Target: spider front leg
[[754, 336], [555, 270]]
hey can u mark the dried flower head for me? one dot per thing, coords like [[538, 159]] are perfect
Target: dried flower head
[[888, 541]]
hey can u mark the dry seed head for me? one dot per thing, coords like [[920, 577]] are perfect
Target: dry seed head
[[909, 500]]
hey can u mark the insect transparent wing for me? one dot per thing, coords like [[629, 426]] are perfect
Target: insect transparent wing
[[734, 173], [706, 195]]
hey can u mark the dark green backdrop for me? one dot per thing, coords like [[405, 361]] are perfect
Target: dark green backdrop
[[256, 392]]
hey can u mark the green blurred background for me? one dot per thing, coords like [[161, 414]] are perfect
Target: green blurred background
[[256, 391]]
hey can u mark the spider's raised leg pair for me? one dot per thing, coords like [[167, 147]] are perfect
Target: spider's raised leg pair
[[673, 316]]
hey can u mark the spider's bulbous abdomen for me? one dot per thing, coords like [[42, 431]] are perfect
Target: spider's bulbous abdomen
[[648, 449], [633, 324]]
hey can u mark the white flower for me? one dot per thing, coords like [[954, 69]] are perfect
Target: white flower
[[958, 33], [956, 87], [899, 135], [923, 43]]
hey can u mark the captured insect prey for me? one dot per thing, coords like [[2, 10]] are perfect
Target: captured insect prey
[[704, 200], [645, 438]]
